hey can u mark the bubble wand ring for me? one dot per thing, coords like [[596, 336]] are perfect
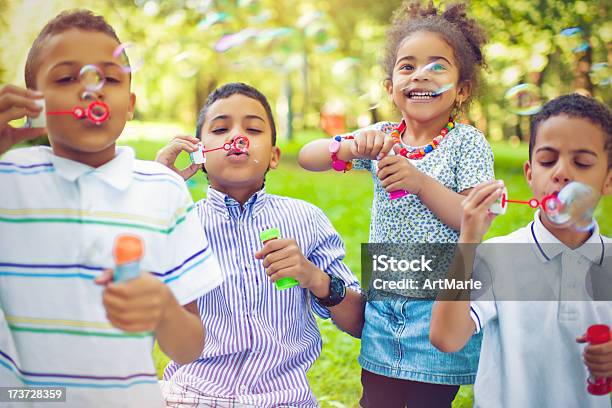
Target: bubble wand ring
[[97, 112], [240, 143]]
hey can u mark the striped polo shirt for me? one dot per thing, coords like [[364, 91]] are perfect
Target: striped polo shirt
[[260, 341], [58, 222]]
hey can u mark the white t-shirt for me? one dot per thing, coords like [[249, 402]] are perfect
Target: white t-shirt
[[529, 355], [59, 219]]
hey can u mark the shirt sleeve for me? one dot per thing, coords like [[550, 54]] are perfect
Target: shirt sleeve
[[328, 255], [193, 269], [475, 160], [482, 305]]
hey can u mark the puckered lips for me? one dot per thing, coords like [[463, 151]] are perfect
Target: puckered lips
[[237, 156]]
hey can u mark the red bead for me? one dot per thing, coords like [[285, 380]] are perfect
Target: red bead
[[404, 152], [444, 131], [435, 142]]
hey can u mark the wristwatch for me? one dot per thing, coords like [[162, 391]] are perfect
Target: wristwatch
[[337, 292]]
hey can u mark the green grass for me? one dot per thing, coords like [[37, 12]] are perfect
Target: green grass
[[346, 199]]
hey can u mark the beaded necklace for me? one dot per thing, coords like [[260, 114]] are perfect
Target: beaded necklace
[[417, 153]]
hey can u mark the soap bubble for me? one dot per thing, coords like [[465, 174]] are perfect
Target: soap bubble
[[443, 89], [233, 40], [582, 47], [600, 74], [568, 32], [435, 67], [524, 99], [91, 77], [211, 19], [130, 57]]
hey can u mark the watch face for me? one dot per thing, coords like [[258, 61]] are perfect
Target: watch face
[[337, 291], [337, 287]]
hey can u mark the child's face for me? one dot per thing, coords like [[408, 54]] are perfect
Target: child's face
[[568, 149], [225, 120], [418, 50], [57, 78]]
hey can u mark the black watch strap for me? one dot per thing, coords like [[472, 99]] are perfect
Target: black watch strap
[[337, 292]]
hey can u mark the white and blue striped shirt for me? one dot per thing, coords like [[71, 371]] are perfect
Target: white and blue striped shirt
[[260, 341]]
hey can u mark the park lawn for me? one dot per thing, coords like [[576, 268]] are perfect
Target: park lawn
[[346, 199]]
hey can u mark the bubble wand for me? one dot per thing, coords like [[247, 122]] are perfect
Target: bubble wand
[[240, 143], [574, 204]]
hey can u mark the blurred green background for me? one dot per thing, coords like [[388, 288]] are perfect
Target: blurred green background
[[315, 58]]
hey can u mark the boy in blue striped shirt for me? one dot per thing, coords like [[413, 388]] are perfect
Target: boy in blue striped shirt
[[260, 340], [63, 323]]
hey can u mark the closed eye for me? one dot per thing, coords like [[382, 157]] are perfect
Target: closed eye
[[66, 79], [219, 131], [253, 130]]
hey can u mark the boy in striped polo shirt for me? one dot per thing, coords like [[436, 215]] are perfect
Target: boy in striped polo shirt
[[261, 340], [63, 322]]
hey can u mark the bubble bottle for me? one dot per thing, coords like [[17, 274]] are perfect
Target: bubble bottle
[[598, 334], [269, 235], [127, 252]]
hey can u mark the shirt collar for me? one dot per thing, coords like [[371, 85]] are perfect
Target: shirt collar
[[117, 173], [227, 206], [593, 249]]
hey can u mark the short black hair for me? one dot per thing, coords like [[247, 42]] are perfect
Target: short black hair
[[235, 88], [81, 19], [575, 106]]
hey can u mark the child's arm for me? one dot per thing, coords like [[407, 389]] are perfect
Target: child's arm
[[146, 304], [283, 258], [397, 173], [315, 156], [451, 325], [15, 103]]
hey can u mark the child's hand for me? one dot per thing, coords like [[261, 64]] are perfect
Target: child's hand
[[137, 305], [396, 173], [476, 217], [598, 358], [15, 103], [168, 154], [283, 258], [371, 144]]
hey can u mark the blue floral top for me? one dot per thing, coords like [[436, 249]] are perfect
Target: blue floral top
[[462, 160]]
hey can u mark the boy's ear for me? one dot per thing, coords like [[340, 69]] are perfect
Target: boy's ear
[[130, 112], [275, 155], [527, 170], [607, 187]]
